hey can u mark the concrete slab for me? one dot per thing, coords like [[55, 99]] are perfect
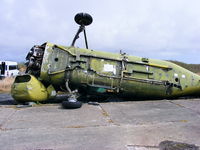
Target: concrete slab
[[5, 114], [54, 116], [151, 112], [132, 125], [102, 137], [192, 104]]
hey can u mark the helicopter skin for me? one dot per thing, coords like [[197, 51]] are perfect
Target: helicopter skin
[[103, 73], [52, 68]]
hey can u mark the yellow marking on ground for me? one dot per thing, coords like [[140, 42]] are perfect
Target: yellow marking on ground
[[184, 121]]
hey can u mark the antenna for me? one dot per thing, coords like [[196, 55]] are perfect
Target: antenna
[[83, 19]]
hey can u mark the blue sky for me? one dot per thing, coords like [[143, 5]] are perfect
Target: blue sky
[[159, 29]]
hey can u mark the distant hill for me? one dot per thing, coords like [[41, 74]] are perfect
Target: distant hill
[[192, 67]]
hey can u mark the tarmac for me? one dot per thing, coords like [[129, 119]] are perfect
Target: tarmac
[[128, 125]]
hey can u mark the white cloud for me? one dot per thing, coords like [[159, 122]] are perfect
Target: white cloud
[[139, 27]]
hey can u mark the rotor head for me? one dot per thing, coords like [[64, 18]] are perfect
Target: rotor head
[[83, 19]]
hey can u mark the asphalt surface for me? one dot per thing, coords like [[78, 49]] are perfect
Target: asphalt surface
[[130, 125]]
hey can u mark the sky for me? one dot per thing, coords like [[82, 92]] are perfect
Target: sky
[[159, 29]]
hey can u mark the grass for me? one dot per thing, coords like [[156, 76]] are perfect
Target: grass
[[5, 84]]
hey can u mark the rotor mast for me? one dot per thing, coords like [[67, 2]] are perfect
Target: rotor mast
[[83, 19]]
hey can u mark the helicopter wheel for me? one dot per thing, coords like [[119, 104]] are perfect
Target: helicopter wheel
[[71, 105]]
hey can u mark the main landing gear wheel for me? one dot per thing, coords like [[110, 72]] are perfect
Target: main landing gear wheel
[[71, 103]]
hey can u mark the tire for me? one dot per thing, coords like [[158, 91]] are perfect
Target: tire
[[71, 105]]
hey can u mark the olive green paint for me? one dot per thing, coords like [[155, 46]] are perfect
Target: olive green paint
[[110, 73]]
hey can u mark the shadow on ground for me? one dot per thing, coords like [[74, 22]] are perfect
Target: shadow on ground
[[6, 99]]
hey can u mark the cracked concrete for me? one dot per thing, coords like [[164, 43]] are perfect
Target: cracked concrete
[[131, 125]]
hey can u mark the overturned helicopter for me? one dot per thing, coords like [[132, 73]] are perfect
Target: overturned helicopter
[[52, 68]]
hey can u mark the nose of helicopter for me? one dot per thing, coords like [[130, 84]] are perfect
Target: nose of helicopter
[[26, 88]]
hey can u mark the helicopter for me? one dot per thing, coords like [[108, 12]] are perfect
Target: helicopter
[[83, 71]]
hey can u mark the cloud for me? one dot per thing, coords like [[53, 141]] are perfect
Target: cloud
[[159, 29]]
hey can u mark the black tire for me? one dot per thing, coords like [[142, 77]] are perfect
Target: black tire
[[71, 105]]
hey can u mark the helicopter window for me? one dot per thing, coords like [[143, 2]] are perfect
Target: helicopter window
[[21, 79]]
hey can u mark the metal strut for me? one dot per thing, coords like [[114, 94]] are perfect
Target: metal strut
[[81, 29], [83, 19], [86, 43], [72, 94]]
